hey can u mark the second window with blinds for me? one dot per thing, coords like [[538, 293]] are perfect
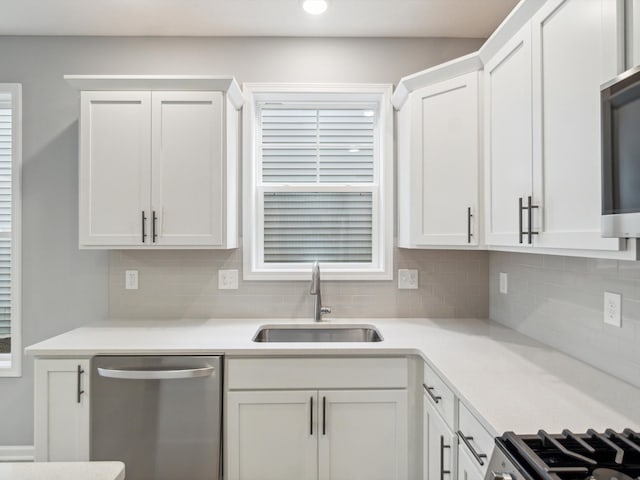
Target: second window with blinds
[[318, 181]]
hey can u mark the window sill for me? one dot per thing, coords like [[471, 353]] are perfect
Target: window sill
[[326, 274], [6, 367]]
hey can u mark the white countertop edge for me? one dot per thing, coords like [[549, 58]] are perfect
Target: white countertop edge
[[62, 470]]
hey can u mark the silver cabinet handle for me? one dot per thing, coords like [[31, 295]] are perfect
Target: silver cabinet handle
[[530, 233], [160, 374], [469, 234], [429, 390], [311, 415], [144, 231], [443, 472], [324, 415], [154, 219], [520, 208], [476, 455], [79, 390]]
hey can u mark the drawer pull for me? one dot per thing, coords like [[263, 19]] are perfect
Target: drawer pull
[[311, 415], [324, 415], [443, 472], [476, 455], [79, 390], [154, 233], [144, 223], [429, 390]]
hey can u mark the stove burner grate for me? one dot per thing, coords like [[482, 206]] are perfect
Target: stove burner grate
[[569, 456]]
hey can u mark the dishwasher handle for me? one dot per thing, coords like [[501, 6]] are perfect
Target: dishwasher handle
[[159, 374]]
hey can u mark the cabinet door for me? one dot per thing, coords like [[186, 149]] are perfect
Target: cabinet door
[[633, 33], [445, 183], [440, 446], [508, 169], [62, 393], [363, 435], [467, 469], [115, 167], [575, 50], [272, 435], [188, 173]]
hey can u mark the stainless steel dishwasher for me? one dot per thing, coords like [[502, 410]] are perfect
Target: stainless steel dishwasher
[[161, 416]]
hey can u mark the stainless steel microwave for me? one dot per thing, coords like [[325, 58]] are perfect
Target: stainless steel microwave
[[620, 109]]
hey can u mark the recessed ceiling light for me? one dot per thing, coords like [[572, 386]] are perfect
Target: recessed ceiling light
[[315, 7]]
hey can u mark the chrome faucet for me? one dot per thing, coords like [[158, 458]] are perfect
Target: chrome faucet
[[318, 309]]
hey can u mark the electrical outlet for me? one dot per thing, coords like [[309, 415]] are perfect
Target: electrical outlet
[[227, 279], [131, 279], [504, 283], [612, 307], [407, 279]]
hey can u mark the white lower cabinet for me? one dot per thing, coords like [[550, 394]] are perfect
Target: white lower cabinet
[[321, 418], [325, 434], [362, 435], [439, 446], [61, 410], [272, 435], [467, 469]]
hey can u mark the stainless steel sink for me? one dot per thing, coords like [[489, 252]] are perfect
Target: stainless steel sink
[[317, 333]]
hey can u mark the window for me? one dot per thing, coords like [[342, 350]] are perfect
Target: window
[[318, 181], [10, 160]]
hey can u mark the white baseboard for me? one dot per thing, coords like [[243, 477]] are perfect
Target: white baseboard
[[20, 453]]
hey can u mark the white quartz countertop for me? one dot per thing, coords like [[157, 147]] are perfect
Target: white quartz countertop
[[511, 381], [62, 471]]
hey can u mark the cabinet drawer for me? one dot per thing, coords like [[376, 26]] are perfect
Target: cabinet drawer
[[440, 395], [474, 438], [316, 373]]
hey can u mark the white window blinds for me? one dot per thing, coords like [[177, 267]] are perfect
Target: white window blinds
[[5, 213], [316, 145], [305, 148], [328, 227]]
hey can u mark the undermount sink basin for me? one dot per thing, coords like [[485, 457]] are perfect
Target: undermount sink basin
[[317, 333]]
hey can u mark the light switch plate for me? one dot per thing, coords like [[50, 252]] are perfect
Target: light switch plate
[[612, 309], [407, 279], [227, 279], [131, 279], [504, 283]]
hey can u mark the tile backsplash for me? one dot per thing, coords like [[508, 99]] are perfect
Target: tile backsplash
[[560, 301], [184, 284]]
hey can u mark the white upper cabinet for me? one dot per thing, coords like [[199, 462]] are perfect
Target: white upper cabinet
[[542, 130], [158, 167], [575, 50], [633, 33], [508, 150], [187, 152], [115, 169], [438, 162]]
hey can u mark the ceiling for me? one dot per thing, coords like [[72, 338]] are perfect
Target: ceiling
[[345, 18]]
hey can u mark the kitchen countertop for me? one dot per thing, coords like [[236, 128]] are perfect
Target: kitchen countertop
[[62, 471], [510, 380]]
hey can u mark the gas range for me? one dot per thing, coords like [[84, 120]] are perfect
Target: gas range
[[567, 456]]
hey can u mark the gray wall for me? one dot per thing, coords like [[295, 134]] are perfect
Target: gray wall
[[559, 301], [63, 287]]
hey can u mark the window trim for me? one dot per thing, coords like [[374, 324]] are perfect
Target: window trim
[[15, 357], [381, 267]]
